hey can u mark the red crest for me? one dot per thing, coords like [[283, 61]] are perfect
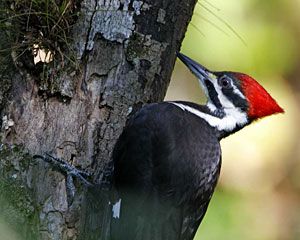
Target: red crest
[[261, 103]]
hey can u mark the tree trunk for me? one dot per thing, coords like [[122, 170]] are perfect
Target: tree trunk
[[121, 57]]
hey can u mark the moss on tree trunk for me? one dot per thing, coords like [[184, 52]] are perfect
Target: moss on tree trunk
[[120, 56]]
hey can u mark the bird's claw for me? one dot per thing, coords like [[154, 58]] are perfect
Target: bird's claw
[[70, 171]]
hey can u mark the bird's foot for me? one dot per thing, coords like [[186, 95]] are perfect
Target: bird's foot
[[70, 172]]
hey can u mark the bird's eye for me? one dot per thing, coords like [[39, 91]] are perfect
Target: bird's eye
[[224, 82]]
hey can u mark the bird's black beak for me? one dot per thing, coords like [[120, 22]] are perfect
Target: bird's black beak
[[200, 71], [206, 77]]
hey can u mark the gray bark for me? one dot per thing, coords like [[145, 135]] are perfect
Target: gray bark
[[125, 53]]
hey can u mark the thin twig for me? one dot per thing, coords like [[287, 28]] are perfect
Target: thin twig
[[224, 22], [27, 23], [210, 4], [212, 23], [198, 29]]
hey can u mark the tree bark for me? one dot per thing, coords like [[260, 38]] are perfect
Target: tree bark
[[125, 53]]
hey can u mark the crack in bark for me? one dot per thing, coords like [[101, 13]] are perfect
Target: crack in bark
[[85, 52], [90, 27], [120, 77]]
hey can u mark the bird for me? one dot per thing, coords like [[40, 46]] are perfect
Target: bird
[[167, 160]]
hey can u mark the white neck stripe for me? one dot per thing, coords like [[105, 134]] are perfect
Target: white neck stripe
[[232, 118]]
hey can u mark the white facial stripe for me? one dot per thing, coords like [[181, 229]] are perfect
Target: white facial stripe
[[235, 115], [203, 87], [232, 118], [211, 106], [225, 102], [238, 92], [222, 98]]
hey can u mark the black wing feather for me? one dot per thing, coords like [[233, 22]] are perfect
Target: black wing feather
[[167, 164]]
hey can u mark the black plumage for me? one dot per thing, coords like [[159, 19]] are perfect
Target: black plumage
[[164, 182], [167, 160]]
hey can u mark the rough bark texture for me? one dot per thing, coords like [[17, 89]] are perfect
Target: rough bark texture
[[126, 53]]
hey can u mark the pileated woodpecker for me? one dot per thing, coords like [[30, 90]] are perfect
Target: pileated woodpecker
[[167, 160]]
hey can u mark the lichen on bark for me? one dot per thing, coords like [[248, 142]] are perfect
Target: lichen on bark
[[17, 205], [125, 52]]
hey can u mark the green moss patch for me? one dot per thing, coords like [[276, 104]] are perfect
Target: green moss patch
[[17, 209]]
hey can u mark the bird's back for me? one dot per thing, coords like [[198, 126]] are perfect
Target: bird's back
[[166, 167]]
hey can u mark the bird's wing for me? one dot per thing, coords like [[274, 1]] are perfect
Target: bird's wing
[[161, 195]]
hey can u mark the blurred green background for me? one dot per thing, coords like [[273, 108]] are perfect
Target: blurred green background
[[258, 195]]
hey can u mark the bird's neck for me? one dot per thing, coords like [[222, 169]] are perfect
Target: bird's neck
[[226, 121]]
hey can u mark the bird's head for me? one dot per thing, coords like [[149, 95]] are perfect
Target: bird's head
[[234, 96]]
